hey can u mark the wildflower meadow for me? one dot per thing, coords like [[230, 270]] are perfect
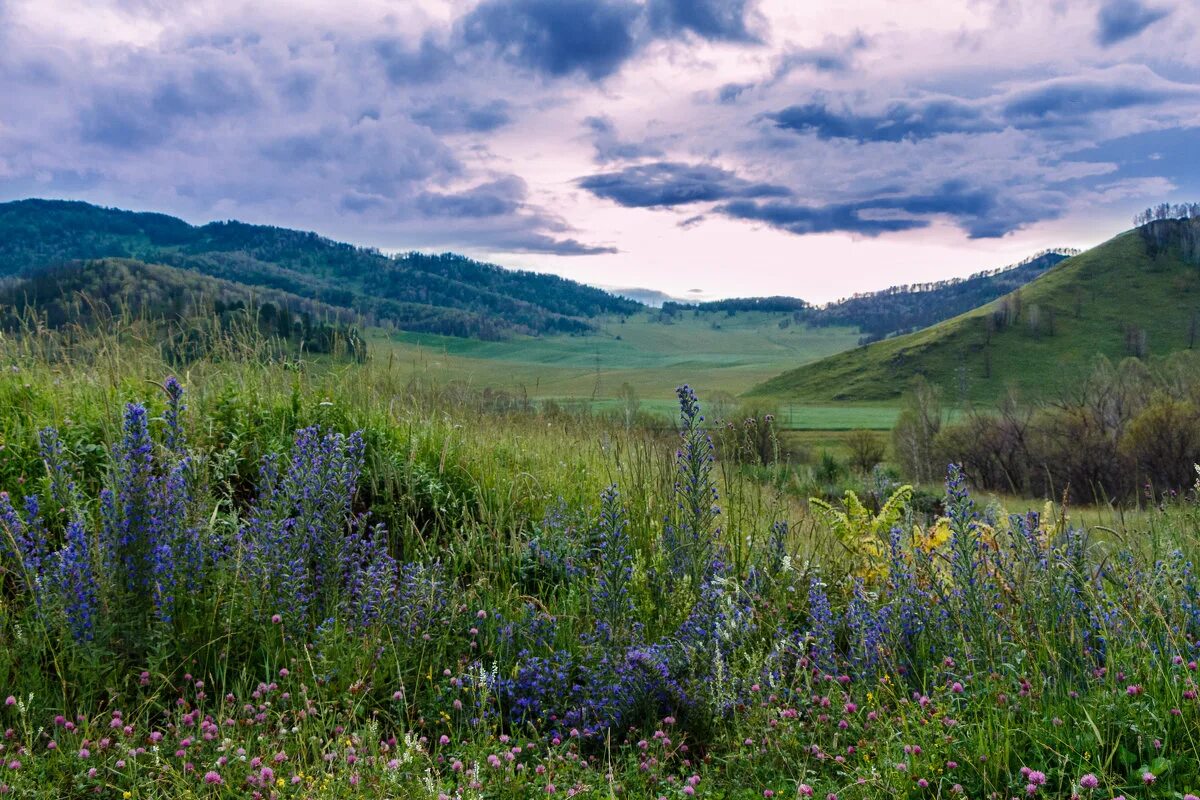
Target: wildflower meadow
[[310, 588]]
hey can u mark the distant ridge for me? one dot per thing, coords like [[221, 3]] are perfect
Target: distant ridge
[[897, 309], [446, 294]]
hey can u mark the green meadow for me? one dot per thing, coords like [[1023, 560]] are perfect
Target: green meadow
[[719, 355]]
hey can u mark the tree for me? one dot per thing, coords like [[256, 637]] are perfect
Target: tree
[[630, 404], [866, 449], [916, 428], [1163, 443]]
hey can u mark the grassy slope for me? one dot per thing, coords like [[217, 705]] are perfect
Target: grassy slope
[[1093, 297]]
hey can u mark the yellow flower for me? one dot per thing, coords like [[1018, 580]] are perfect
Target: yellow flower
[[938, 535], [127, 795]]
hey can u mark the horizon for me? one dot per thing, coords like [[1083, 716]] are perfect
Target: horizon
[[636, 293], [724, 148]]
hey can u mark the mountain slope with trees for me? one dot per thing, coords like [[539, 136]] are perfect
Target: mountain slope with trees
[[1136, 295], [447, 293], [898, 309], [185, 311]]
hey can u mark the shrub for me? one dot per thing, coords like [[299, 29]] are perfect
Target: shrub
[[866, 450]]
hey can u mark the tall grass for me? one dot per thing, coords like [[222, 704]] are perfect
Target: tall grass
[[314, 579]]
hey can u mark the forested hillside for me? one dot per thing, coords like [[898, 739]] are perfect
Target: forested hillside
[[897, 309], [447, 293], [186, 311]]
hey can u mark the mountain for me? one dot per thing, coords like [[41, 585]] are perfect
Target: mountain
[[1136, 295], [446, 294], [897, 309]]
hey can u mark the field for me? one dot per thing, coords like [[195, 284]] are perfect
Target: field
[[717, 353], [721, 356], [311, 579]]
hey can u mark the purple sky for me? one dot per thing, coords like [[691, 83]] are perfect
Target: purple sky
[[730, 146]]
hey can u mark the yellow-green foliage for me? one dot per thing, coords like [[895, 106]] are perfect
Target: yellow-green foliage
[[863, 534]]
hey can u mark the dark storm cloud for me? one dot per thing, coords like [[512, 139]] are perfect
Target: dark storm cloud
[[980, 211], [594, 38], [1061, 106], [899, 121], [556, 37], [977, 211], [1119, 20], [715, 20], [803, 219], [492, 199], [1068, 102], [667, 183]]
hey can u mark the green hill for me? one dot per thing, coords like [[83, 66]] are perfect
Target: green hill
[[898, 309], [445, 294], [187, 312], [1135, 295]]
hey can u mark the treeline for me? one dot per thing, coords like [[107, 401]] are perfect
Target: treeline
[[189, 310], [1181, 233], [897, 309], [904, 309], [446, 294], [1164, 211], [1129, 428], [775, 304]]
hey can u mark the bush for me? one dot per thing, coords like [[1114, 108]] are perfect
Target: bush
[[1162, 443], [866, 450]]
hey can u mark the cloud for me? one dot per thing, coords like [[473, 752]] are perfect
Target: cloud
[[532, 242], [978, 211], [459, 125], [147, 106], [493, 199], [802, 219], [1119, 20], [899, 121], [463, 115], [610, 147], [594, 38], [715, 20], [834, 56], [1061, 103], [556, 37], [667, 183], [1072, 100], [425, 63]]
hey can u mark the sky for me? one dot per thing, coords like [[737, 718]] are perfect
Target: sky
[[702, 148]]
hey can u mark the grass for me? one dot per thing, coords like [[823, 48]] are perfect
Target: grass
[[650, 356], [714, 352], [1093, 299], [516, 629]]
